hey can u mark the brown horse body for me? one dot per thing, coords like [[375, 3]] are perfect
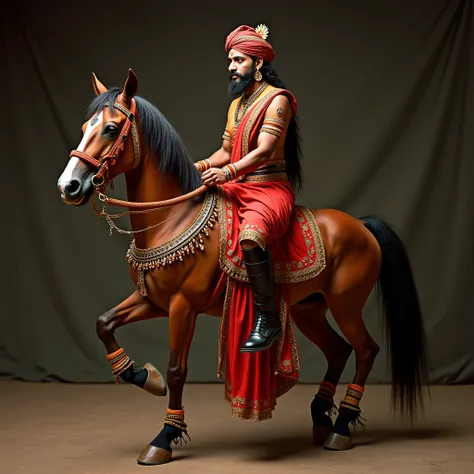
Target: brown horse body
[[357, 251]]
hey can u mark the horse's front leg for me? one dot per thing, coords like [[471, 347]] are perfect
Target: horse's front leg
[[134, 308], [182, 324]]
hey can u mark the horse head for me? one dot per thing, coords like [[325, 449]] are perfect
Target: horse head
[[110, 144]]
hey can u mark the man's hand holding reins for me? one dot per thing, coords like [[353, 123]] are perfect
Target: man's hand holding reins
[[213, 177]]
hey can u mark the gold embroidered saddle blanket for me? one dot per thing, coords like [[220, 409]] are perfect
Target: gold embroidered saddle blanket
[[303, 257]]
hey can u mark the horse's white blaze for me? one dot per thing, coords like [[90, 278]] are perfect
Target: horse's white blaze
[[67, 174]]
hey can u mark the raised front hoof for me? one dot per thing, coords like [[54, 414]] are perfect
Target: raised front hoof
[[337, 442], [153, 456], [321, 434], [155, 383]]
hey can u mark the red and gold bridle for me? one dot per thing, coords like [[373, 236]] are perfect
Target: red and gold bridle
[[103, 164]]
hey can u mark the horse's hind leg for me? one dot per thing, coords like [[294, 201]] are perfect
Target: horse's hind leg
[[134, 308], [347, 311], [310, 318]]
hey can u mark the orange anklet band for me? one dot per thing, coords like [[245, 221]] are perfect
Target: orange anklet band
[[120, 362], [115, 354], [352, 397], [353, 386]]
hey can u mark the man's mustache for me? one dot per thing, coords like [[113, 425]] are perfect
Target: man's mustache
[[235, 74]]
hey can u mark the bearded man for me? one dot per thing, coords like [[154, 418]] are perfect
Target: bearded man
[[259, 166]]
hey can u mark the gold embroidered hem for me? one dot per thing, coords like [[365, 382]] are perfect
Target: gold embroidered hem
[[254, 236], [250, 414], [310, 266], [288, 365], [259, 410], [222, 340]]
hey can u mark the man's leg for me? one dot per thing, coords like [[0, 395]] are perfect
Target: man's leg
[[267, 326]]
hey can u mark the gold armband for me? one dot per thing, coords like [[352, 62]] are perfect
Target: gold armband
[[227, 136], [273, 125]]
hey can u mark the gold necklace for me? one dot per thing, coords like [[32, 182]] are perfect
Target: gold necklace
[[247, 103]]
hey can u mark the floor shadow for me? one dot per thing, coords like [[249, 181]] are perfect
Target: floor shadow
[[394, 435], [275, 449], [289, 445], [269, 449]]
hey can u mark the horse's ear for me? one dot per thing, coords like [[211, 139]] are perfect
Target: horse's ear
[[130, 88], [99, 88]]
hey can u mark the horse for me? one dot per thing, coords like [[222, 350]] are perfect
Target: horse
[[163, 183]]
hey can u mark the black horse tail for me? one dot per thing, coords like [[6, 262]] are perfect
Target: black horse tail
[[405, 331]]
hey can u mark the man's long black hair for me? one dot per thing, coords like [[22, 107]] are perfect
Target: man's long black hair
[[292, 148]]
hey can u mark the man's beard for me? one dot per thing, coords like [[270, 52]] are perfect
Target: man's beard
[[237, 86]]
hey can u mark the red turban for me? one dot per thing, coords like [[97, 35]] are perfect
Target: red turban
[[250, 41]]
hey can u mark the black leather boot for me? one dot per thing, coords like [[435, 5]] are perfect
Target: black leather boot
[[267, 326]]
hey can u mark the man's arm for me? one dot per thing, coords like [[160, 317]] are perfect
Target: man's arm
[[222, 156], [276, 121]]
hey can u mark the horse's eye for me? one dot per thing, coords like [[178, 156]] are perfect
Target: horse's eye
[[110, 130]]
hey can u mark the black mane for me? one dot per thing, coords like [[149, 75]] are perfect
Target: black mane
[[160, 137]]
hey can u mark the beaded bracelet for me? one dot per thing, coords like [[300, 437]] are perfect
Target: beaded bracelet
[[227, 173], [230, 172]]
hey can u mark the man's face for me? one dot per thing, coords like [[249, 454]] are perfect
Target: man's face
[[242, 71]]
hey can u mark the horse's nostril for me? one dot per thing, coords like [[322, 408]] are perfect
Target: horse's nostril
[[72, 188]]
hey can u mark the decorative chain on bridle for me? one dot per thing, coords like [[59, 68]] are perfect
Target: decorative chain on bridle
[[112, 226]]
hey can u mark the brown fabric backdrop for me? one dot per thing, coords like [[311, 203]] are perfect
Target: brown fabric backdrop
[[386, 104]]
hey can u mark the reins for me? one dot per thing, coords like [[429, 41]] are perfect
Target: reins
[[150, 205]]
